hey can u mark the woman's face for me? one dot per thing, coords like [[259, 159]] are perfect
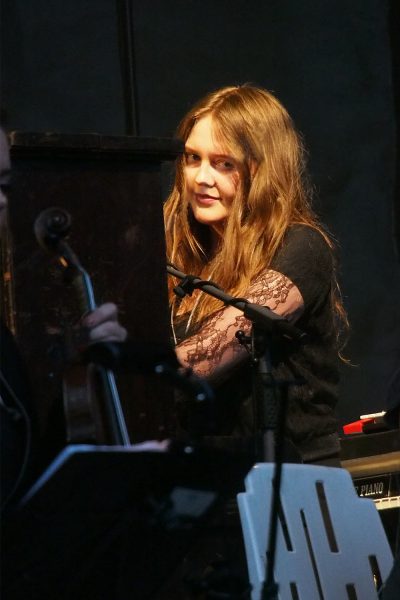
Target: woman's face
[[211, 176]]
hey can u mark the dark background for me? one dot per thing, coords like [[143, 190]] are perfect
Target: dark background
[[117, 67]]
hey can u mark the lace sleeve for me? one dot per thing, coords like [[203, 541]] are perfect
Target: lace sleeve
[[214, 348]]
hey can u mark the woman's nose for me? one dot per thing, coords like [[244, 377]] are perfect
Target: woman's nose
[[205, 175]]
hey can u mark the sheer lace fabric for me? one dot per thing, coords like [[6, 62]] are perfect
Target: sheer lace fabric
[[214, 348]]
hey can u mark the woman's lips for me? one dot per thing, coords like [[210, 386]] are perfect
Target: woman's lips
[[205, 199]]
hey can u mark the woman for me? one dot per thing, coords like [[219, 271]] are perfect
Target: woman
[[239, 214]]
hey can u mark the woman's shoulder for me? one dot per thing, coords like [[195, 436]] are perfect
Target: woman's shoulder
[[302, 234], [305, 257], [304, 243]]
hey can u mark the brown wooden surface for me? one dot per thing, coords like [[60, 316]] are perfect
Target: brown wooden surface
[[112, 188]]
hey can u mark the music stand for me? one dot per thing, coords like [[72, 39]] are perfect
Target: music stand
[[108, 521]]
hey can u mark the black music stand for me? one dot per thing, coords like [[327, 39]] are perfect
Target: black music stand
[[112, 522]]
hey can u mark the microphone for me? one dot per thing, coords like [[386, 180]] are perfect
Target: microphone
[[51, 226]]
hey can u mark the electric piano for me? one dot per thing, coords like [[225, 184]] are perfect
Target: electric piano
[[373, 460]]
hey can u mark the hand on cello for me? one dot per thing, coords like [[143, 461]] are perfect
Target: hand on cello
[[102, 325]]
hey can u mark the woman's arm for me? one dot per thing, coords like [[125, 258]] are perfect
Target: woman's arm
[[214, 347]]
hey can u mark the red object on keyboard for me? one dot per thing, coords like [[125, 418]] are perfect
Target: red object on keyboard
[[367, 424], [356, 426]]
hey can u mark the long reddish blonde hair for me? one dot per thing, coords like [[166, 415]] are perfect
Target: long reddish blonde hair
[[272, 195]]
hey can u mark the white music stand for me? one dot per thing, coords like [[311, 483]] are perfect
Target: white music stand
[[330, 543]]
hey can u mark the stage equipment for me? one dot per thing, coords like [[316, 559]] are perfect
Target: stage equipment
[[114, 522], [373, 461], [330, 543]]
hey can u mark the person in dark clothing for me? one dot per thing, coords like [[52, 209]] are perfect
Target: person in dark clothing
[[240, 214]]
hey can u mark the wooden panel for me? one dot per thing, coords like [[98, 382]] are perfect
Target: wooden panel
[[112, 188]]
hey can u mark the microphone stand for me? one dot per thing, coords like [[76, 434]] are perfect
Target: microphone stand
[[259, 315], [158, 360], [270, 400]]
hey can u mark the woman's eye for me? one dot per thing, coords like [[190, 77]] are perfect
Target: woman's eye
[[225, 165], [191, 158]]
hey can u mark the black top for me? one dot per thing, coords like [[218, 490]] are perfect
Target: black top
[[306, 259]]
